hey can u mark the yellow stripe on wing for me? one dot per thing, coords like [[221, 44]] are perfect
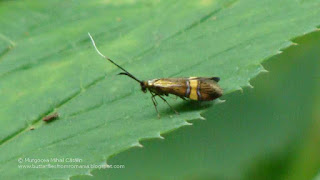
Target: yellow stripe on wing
[[193, 85]]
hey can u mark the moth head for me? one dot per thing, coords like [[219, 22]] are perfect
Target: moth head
[[144, 85]]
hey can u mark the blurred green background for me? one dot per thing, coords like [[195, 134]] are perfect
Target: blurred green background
[[269, 132]]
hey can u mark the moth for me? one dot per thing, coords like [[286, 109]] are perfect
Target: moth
[[194, 88]]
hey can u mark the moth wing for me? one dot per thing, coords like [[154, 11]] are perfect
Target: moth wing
[[170, 82], [176, 86], [216, 79], [205, 89], [209, 89]]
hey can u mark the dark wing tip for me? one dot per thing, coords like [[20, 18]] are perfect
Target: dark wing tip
[[216, 79]]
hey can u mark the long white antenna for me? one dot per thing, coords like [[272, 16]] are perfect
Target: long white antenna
[[126, 72], [95, 47]]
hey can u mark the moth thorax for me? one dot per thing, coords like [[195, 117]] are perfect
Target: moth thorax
[[150, 82], [144, 86]]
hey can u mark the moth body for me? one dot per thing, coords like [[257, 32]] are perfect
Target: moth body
[[194, 88]]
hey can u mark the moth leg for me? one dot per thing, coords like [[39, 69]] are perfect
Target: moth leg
[[153, 96], [182, 98], [155, 104], [168, 104]]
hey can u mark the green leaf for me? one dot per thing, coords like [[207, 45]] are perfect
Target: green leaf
[[47, 64]]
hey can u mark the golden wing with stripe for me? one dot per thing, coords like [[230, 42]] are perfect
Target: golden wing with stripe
[[195, 88], [204, 89], [165, 86], [208, 89]]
